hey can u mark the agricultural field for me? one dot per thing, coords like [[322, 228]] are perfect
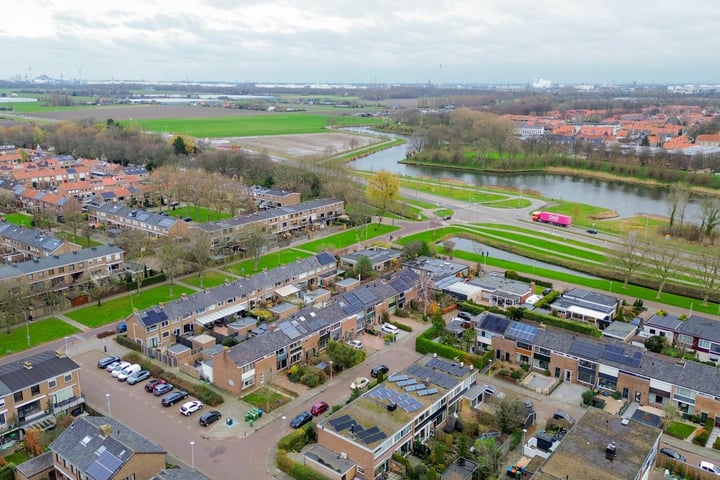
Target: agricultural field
[[308, 145]]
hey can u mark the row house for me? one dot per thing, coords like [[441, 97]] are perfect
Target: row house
[[19, 243], [694, 334], [105, 449], [92, 189], [493, 289], [120, 217], [273, 198], [228, 235], [607, 365], [49, 177], [61, 272], [359, 440], [34, 201], [441, 273], [158, 326], [381, 259], [34, 389]]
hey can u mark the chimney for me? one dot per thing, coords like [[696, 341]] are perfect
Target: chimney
[[105, 430]]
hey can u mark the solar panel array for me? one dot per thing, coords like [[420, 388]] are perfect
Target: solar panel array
[[367, 436], [440, 372], [104, 466], [616, 353], [402, 400], [289, 329], [522, 331], [585, 349]]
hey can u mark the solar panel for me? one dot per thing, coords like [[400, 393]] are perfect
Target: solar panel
[[412, 388], [585, 349], [374, 438], [405, 383], [432, 362], [413, 407], [289, 329], [431, 391], [522, 331], [335, 421], [398, 378], [104, 466]]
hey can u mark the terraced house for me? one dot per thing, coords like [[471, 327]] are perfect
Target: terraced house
[[228, 236], [33, 390], [158, 327], [308, 332]]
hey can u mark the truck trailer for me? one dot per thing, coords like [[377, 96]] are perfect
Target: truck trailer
[[552, 218]]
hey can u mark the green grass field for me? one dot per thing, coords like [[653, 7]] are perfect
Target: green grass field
[[680, 430], [118, 308], [347, 238], [41, 331], [243, 126], [211, 279], [269, 261], [21, 219], [197, 213]]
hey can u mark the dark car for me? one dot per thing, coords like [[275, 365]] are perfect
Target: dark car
[[174, 397], [105, 361], [669, 452], [375, 371], [162, 389], [151, 384], [301, 419], [209, 418], [138, 377], [592, 231], [319, 408], [465, 315]]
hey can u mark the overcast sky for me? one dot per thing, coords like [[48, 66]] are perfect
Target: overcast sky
[[364, 41]]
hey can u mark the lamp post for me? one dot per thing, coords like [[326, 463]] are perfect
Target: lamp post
[[283, 425], [523, 441], [27, 326], [331, 370], [107, 395], [66, 345], [192, 454]]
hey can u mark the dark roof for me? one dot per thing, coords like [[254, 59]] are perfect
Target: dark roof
[[493, 322], [666, 322], [180, 474], [41, 367], [701, 327], [36, 465], [45, 263], [98, 456], [45, 242]]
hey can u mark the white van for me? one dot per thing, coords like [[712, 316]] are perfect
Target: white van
[[709, 467], [127, 371]]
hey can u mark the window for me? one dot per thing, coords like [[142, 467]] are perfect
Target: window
[[2, 402], [685, 339], [652, 331], [52, 384], [18, 396], [704, 344], [3, 420], [35, 390], [68, 378]]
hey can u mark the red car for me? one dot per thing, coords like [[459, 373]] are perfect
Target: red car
[[319, 408]]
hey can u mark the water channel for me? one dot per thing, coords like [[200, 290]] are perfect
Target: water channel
[[627, 199]]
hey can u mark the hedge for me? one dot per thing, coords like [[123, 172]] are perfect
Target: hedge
[[572, 325], [513, 275], [403, 327], [425, 344], [294, 442]]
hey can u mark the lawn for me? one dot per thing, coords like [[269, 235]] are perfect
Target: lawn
[[198, 214], [243, 126], [211, 279], [41, 331], [119, 308], [266, 400], [77, 239], [19, 219], [347, 238], [269, 261], [680, 430]]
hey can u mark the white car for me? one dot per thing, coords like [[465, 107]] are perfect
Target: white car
[[360, 383], [127, 371], [190, 407], [389, 328], [355, 344], [119, 368]]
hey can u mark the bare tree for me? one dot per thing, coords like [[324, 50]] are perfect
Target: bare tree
[[709, 214], [679, 197], [170, 255], [629, 256], [255, 242], [663, 260], [15, 302], [73, 215], [708, 267], [424, 289], [199, 253]]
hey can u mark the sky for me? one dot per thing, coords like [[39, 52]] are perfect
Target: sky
[[364, 41]]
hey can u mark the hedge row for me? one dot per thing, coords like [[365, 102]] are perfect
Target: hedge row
[[572, 325], [511, 274], [424, 344], [294, 442], [198, 390], [406, 328]]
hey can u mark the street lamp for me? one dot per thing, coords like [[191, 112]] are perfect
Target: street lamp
[[331, 369], [523, 442], [283, 425], [27, 326], [192, 454], [107, 395], [66, 341]]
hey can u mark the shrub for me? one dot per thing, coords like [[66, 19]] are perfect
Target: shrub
[[587, 397], [127, 343], [206, 395], [701, 438], [311, 378], [405, 328], [517, 374]]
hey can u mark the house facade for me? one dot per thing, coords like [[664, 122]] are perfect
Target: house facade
[[34, 389], [19, 243], [589, 306], [408, 407], [124, 218]]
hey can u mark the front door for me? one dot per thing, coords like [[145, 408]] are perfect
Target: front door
[[568, 375], [638, 397]]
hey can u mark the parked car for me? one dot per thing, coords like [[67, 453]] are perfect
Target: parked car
[[319, 408], [355, 344], [209, 418], [190, 407], [174, 397], [122, 327], [151, 384], [375, 371], [709, 467], [489, 389], [592, 231], [119, 368], [162, 389], [301, 419], [669, 452], [465, 315], [527, 403], [360, 383], [127, 371], [105, 361], [563, 416], [138, 377], [112, 366], [389, 328]]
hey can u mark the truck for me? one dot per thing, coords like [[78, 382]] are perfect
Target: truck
[[552, 218]]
